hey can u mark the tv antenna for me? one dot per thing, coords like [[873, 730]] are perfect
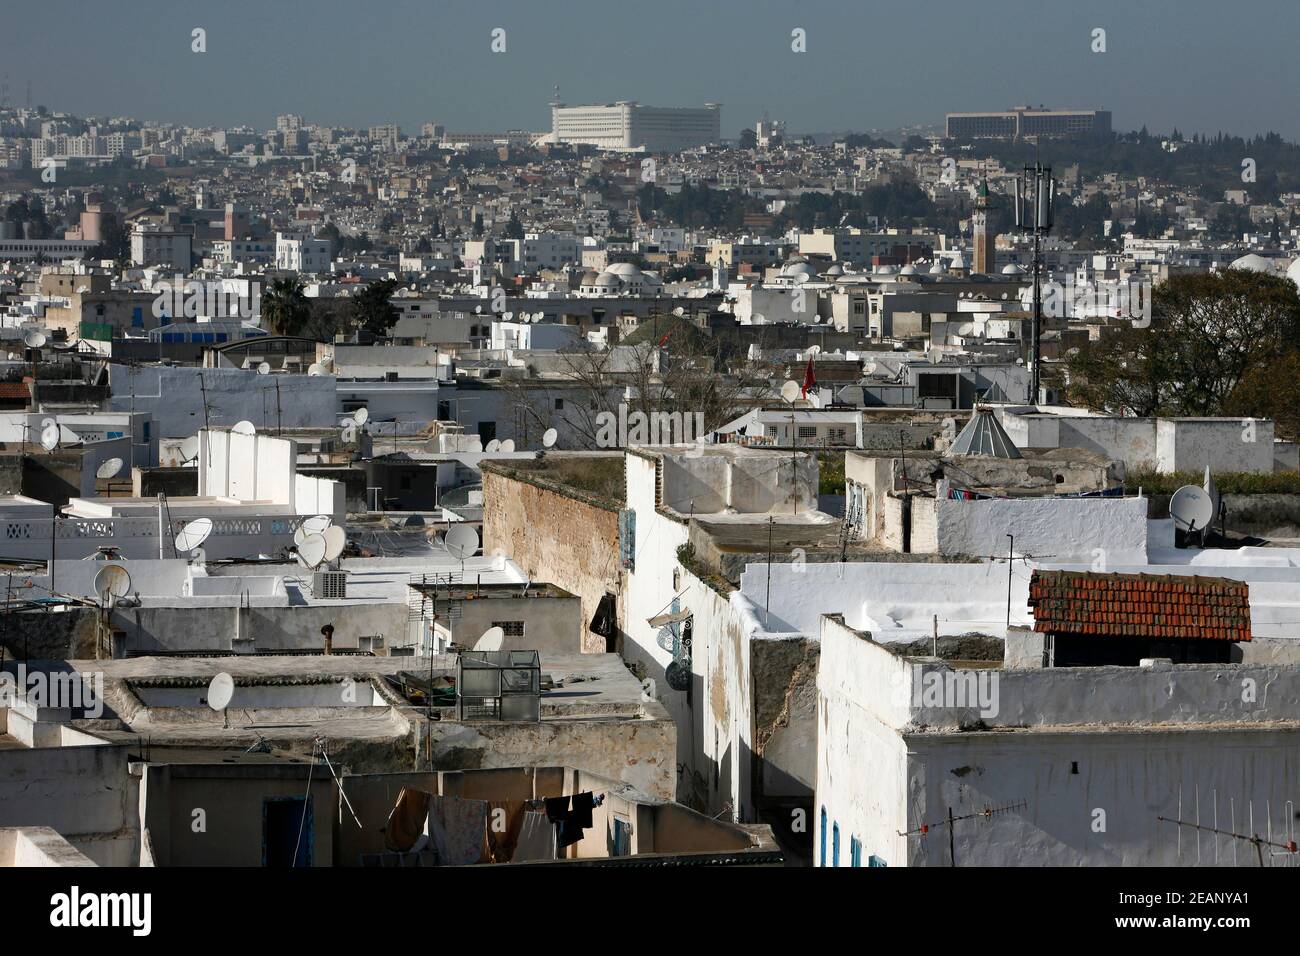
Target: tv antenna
[[986, 814]]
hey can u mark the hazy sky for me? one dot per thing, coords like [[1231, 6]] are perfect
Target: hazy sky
[[1200, 65]]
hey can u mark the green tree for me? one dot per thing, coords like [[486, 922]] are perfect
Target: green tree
[[371, 309], [514, 228], [285, 308], [1217, 344]]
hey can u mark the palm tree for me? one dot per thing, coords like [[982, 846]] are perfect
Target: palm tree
[[285, 308]]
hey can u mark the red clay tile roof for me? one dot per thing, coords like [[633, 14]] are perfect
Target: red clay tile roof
[[1140, 605]]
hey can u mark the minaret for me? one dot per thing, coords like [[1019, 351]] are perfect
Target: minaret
[[985, 257]]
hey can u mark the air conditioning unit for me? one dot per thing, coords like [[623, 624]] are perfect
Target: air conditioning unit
[[329, 585]]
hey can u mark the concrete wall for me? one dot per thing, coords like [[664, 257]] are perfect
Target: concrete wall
[[552, 625], [174, 398], [1081, 528], [1223, 444], [197, 815], [559, 539], [83, 792]]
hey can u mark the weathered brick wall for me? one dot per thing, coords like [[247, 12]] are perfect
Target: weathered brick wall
[[557, 539]]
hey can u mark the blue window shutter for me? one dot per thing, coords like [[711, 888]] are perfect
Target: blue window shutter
[[855, 852], [823, 838], [874, 860], [835, 845]]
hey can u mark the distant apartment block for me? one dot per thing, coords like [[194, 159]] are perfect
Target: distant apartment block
[[299, 252], [1024, 121], [629, 125], [156, 246]]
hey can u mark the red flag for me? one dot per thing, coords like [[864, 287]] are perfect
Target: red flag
[[809, 379]]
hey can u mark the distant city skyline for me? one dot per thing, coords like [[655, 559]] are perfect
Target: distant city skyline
[[1194, 65]]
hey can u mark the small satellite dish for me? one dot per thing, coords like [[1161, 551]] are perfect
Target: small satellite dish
[[193, 534], [814, 350], [790, 391], [549, 436], [109, 469], [243, 428], [491, 640], [221, 690], [507, 316], [264, 368], [312, 550], [1191, 508], [461, 541], [34, 338], [478, 310], [507, 446], [869, 368], [336, 539], [493, 445], [189, 449], [361, 416], [315, 368], [113, 581], [50, 437]]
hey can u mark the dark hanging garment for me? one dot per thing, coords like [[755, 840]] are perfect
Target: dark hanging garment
[[557, 809], [568, 832], [603, 621], [582, 807]]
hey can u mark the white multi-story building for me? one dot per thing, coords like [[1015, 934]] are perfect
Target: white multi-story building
[[156, 246], [629, 125], [550, 250], [299, 252]]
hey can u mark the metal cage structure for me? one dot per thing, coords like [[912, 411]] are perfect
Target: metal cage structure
[[499, 685]]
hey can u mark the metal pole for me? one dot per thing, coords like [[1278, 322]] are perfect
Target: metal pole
[[1038, 305], [767, 601], [1011, 551]]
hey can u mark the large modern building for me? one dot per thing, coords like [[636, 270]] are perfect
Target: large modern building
[[1026, 121], [629, 125]]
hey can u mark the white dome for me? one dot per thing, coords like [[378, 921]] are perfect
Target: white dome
[[792, 270], [907, 270], [624, 269], [885, 270], [1252, 263], [1012, 269], [937, 269]]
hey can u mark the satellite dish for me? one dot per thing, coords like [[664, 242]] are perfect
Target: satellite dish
[[113, 581], [361, 416], [461, 541], [507, 446], [221, 690], [34, 338], [317, 524], [666, 638], [549, 436], [336, 540], [478, 310], [491, 640], [109, 469], [243, 428], [507, 316], [264, 368], [312, 550], [869, 368], [50, 437], [493, 445], [1191, 508], [193, 534], [790, 391], [189, 449], [814, 350], [315, 368]]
